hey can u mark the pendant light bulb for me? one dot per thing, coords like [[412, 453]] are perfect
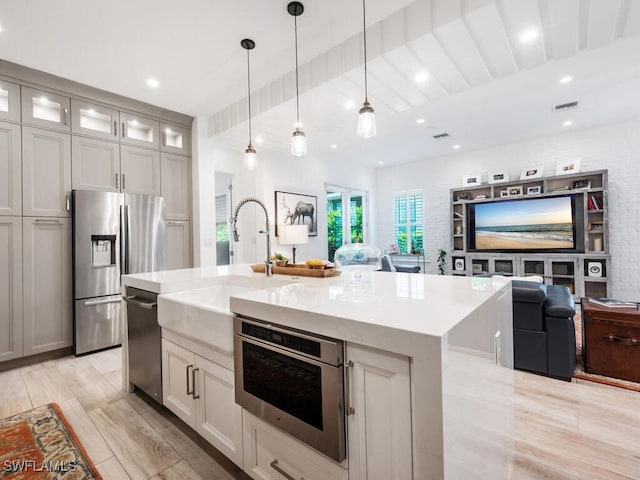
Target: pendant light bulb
[[298, 139], [366, 121], [366, 117], [250, 158], [250, 155], [298, 143]]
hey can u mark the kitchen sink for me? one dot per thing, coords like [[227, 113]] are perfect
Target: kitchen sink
[[203, 314]]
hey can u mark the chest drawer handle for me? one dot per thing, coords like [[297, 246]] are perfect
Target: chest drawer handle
[[632, 342]]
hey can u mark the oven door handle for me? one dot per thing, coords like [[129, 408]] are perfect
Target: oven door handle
[[276, 467], [284, 351]]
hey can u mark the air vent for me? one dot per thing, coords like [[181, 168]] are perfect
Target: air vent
[[440, 136], [565, 106]]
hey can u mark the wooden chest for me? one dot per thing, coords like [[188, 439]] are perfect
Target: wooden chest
[[611, 341]]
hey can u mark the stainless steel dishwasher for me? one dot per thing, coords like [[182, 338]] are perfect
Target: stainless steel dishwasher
[[145, 342]]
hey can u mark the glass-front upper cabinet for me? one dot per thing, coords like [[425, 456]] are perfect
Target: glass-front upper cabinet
[[175, 139], [94, 120], [45, 109], [139, 130], [9, 101]]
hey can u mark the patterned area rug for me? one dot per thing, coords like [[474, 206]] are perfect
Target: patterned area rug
[[579, 372], [39, 444]]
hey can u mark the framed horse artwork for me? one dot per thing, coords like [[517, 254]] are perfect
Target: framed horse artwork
[[297, 209]]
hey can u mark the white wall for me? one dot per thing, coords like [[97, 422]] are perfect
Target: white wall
[[276, 171], [614, 147]]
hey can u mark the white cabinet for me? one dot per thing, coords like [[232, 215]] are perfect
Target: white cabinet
[[45, 109], [10, 169], [379, 428], [96, 164], [201, 393], [9, 101], [140, 170], [94, 120], [46, 173], [139, 130], [47, 296], [270, 454], [10, 288], [175, 139], [178, 244], [176, 174]]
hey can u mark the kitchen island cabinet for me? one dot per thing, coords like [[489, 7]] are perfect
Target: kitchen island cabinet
[[201, 393]]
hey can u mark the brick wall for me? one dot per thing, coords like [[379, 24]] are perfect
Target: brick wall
[[615, 147]]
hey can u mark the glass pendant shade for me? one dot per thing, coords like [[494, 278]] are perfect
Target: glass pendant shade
[[250, 158], [298, 143], [366, 121]]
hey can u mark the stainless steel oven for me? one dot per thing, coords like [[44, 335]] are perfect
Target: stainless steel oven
[[293, 380]]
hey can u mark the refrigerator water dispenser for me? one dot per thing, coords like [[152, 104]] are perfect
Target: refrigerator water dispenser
[[103, 251]]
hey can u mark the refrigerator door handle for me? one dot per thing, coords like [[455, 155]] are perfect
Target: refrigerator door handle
[[124, 236], [91, 303]]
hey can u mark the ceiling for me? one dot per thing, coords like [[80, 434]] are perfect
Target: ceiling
[[484, 85]]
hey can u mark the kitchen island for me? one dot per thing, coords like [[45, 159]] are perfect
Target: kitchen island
[[444, 412]]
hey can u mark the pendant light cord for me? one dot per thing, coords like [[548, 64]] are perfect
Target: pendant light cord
[[364, 33], [295, 26], [249, 89]]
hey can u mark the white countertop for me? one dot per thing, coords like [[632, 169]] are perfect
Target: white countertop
[[425, 304]]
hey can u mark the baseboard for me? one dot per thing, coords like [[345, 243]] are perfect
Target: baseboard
[[33, 359]]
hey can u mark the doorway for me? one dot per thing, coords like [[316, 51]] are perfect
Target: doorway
[[347, 213], [224, 204]]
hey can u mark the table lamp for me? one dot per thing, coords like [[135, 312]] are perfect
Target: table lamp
[[293, 235]]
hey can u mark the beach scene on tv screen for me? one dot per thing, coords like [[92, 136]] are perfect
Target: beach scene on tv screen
[[543, 223]]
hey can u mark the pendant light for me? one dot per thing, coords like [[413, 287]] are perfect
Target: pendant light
[[298, 140], [366, 117], [250, 155]]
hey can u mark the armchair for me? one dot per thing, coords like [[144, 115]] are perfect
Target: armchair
[[543, 331], [388, 266]]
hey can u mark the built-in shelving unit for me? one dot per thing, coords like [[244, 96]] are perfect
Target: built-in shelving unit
[[586, 273]]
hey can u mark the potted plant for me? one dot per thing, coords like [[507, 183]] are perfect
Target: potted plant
[[442, 262], [281, 260]]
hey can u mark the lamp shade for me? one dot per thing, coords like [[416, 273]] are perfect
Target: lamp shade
[[293, 234]]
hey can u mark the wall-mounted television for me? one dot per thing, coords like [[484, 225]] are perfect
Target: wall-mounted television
[[549, 224]]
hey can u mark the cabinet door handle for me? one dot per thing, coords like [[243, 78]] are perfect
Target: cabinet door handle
[[348, 407], [164, 139], [68, 203], [123, 187], [115, 128], [46, 220], [193, 383], [117, 181], [629, 341], [124, 131], [276, 467], [189, 392], [65, 112]]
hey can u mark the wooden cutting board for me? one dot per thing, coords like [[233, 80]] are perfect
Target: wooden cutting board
[[298, 269]]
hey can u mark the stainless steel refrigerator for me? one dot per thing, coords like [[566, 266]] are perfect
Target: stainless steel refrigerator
[[113, 234]]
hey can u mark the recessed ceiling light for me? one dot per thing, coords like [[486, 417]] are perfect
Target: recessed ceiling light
[[567, 123], [456, 147], [566, 79], [529, 35], [349, 104], [259, 139], [422, 77], [334, 146], [420, 120], [380, 163], [153, 83]]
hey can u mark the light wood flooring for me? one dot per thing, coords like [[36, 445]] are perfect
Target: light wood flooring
[[563, 430]]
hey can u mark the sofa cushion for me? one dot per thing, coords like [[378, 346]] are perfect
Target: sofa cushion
[[528, 292], [559, 302]]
